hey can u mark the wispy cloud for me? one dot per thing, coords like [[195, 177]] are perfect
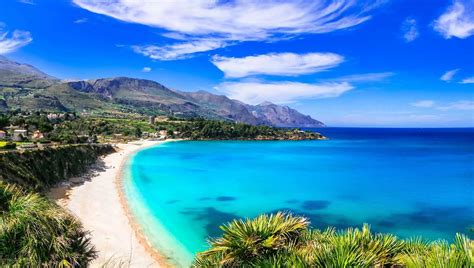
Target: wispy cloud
[[468, 80], [392, 119], [29, 2], [465, 105], [177, 51], [12, 42], [81, 20], [235, 21], [456, 105], [367, 77], [283, 64], [410, 30], [424, 104], [457, 20], [449, 75], [146, 69], [281, 92]]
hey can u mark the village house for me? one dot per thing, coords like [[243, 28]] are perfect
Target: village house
[[37, 135], [3, 135], [20, 134], [161, 118]]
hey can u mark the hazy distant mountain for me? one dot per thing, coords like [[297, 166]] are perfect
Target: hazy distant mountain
[[282, 116], [24, 87], [20, 74], [263, 114], [224, 106]]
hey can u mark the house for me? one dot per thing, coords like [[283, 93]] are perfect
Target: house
[[163, 132], [161, 118], [3, 134], [37, 135], [20, 134]]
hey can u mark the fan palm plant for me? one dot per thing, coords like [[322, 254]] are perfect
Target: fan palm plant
[[283, 240], [245, 241], [35, 232], [352, 248], [419, 253]]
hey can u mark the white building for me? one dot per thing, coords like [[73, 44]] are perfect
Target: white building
[[20, 134]]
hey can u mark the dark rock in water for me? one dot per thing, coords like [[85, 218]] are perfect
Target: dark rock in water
[[315, 204], [225, 198]]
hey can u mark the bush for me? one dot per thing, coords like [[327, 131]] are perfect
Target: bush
[[284, 240], [9, 146], [34, 232]]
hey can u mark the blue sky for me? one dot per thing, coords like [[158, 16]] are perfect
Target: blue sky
[[347, 63]]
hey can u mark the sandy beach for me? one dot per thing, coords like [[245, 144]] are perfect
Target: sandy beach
[[96, 201]]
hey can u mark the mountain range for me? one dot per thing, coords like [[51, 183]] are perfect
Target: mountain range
[[25, 87]]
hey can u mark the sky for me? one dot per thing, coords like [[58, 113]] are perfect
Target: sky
[[381, 63]]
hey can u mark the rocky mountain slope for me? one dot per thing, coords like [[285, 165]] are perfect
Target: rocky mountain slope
[[19, 74], [24, 87]]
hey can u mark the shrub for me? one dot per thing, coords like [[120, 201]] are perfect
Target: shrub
[[284, 240], [35, 232], [9, 146]]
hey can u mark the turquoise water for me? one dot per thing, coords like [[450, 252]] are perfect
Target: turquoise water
[[406, 181]]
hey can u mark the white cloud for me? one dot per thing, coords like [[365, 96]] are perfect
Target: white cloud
[[281, 92], [12, 42], [448, 76], [468, 80], [367, 77], [179, 50], [466, 105], [381, 119], [457, 21], [424, 104], [457, 105], [284, 64], [29, 2], [146, 69], [410, 30], [238, 20], [81, 20]]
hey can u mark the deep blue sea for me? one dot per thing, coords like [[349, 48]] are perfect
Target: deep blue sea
[[411, 182]]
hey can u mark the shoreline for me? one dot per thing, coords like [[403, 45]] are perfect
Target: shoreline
[[142, 239], [97, 200]]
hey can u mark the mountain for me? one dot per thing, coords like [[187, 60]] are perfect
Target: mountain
[[20, 74], [263, 114], [24, 87], [224, 106], [282, 116]]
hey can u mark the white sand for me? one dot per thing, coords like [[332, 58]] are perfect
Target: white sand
[[97, 204]]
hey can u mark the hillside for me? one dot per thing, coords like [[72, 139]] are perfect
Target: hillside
[[26, 88], [20, 74]]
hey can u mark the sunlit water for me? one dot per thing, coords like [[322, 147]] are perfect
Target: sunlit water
[[406, 181]]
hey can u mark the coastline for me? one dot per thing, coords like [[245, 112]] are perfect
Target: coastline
[[97, 200]]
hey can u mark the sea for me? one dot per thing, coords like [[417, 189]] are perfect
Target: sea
[[409, 182]]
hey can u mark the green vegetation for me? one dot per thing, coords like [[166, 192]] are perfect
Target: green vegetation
[[72, 129], [34, 232], [283, 240], [6, 145], [40, 169], [201, 129]]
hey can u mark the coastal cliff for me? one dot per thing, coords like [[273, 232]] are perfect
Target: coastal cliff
[[39, 169]]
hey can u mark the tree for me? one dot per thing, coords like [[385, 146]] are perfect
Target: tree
[[4, 122]]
